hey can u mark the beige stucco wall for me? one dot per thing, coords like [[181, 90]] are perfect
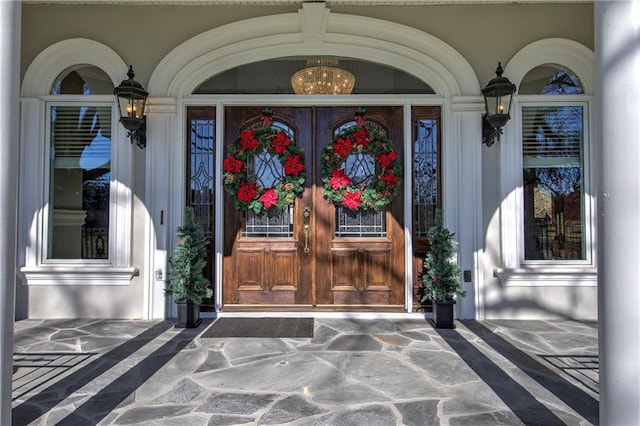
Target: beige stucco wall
[[143, 35], [483, 34]]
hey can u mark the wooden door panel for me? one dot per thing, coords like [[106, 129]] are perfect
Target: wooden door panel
[[284, 264], [364, 271], [250, 267], [265, 270]]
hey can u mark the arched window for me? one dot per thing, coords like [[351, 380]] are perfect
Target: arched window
[[79, 140], [550, 79], [548, 205], [76, 192], [553, 160], [274, 77]]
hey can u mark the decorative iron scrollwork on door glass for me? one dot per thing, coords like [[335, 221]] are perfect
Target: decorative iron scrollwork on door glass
[[201, 185], [267, 170], [425, 176], [361, 170]]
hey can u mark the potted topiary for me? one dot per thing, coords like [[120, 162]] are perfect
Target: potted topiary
[[187, 283], [441, 274]]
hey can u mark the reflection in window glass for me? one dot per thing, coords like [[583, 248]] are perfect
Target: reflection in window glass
[[553, 179], [82, 80], [267, 169], [79, 182], [425, 174], [361, 169], [550, 80]]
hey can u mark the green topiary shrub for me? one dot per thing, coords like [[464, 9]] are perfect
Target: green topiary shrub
[[441, 274], [188, 260]]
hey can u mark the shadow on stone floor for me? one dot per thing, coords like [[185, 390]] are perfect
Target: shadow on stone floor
[[108, 398], [519, 400]]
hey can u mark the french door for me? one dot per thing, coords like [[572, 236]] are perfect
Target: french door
[[314, 255]]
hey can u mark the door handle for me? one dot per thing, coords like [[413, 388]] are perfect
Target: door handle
[[306, 227]]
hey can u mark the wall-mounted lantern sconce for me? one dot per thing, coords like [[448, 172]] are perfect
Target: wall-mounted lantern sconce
[[131, 99], [497, 100]]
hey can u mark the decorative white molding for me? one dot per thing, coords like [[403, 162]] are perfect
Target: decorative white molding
[[52, 61], [547, 277], [77, 275], [313, 19], [212, 52], [568, 53]]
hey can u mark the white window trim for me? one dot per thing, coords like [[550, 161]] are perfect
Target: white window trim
[[34, 269], [514, 270]]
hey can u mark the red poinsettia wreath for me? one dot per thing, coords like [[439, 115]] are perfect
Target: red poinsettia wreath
[[269, 141], [380, 189]]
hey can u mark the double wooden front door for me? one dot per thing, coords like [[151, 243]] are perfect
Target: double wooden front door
[[314, 255]]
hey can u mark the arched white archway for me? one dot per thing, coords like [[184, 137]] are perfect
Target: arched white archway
[[571, 54], [56, 58], [314, 30]]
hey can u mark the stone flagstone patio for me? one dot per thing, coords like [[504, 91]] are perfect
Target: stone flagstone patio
[[352, 372]]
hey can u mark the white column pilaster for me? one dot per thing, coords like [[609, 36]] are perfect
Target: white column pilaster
[[10, 20], [618, 110], [163, 178], [467, 131]]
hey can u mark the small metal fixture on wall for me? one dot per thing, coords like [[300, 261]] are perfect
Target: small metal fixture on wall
[[131, 98], [497, 100]]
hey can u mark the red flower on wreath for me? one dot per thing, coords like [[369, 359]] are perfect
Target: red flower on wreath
[[281, 142], [293, 166], [351, 200], [246, 192], [362, 137], [339, 178], [343, 147], [232, 164], [386, 160], [389, 179], [269, 198], [248, 140]]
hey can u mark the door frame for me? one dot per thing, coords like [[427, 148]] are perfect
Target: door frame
[[461, 179], [275, 101]]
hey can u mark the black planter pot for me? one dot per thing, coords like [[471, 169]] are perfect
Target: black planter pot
[[443, 314], [188, 314]]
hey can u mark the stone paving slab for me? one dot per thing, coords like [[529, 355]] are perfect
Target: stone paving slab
[[351, 372]]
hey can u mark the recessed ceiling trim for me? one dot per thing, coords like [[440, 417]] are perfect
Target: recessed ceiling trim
[[289, 2]]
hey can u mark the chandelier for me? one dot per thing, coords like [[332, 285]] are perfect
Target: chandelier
[[322, 77]]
